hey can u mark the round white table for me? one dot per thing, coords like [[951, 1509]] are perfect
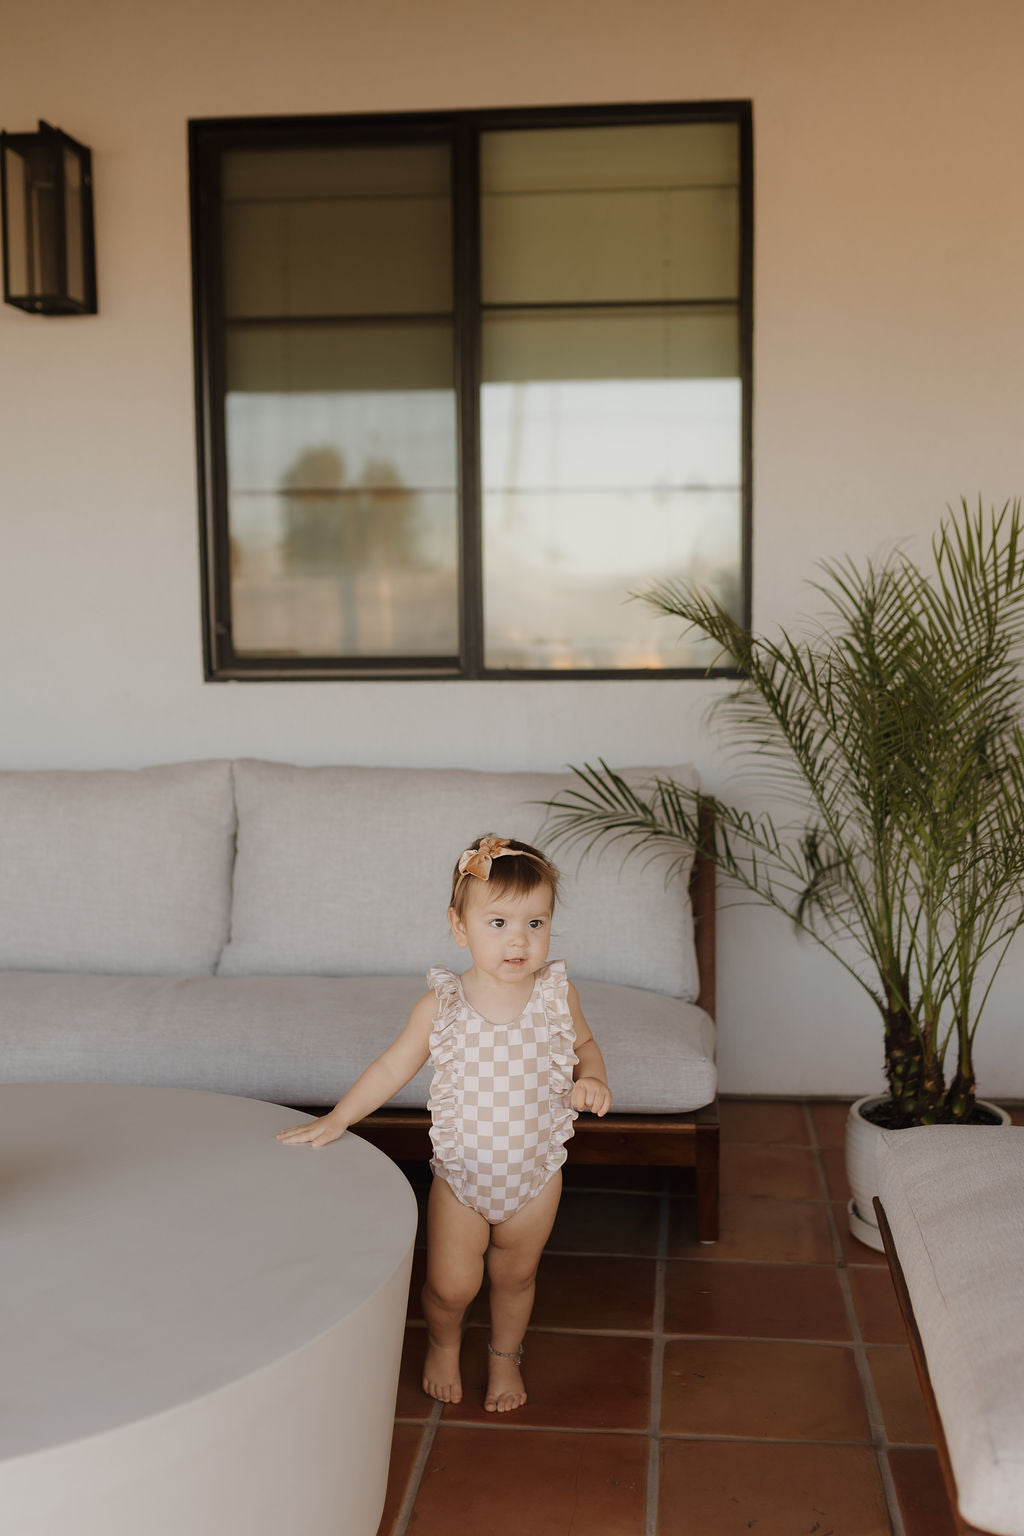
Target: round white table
[[201, 1328]]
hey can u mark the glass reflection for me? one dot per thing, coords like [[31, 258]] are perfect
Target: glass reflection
[[340, 415], [593, 491], [611, 409], [353, 553]]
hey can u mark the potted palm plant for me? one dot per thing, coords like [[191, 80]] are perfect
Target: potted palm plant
[[895, 728]]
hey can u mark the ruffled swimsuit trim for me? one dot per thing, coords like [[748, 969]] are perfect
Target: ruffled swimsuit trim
[[447, 1052]]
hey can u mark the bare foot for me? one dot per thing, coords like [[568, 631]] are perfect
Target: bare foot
[[505, 1389], [441, 1378]]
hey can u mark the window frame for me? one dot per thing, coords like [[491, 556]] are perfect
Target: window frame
[[208, 139]]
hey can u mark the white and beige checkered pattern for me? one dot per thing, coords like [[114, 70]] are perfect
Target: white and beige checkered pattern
[[499, 1099]]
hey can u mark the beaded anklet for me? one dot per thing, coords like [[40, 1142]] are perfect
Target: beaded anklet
[[514, 1355]]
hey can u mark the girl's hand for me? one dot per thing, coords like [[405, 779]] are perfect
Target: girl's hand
[[318, 1133], [591, 1093]]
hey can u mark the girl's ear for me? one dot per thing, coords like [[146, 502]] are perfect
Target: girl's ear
[[458, 928]]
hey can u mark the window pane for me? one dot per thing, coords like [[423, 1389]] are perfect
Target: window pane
[[336, 170], [611, 407], [341, 358], [340, 434], [362, 571], [610, 214], [560, 569], [601, 477], [611, 344], [327, 240], [594, 490], [343, 509], [629, 155]]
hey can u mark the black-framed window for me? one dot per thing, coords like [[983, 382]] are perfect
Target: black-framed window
[[465, 382]]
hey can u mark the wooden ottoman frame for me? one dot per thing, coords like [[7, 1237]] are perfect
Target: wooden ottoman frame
[[685, 1140]]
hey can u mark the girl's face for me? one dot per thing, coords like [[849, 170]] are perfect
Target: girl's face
[[508, 936]]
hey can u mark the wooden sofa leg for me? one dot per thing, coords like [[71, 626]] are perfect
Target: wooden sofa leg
[[706, 1160]]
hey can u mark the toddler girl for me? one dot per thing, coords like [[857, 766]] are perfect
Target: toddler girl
[[505, 1038]]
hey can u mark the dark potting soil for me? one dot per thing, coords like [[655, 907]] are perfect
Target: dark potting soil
[[888, 1118]]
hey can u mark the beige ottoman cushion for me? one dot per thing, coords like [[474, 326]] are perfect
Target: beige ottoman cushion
[[954, 1198]]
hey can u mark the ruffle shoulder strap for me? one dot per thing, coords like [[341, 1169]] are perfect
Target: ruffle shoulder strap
[[445, 1031], [554, 990], [554, 983], [446, 985]]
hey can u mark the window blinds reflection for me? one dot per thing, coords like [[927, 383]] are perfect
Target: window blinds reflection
[[337, 231], [611, 404], [610, 214], [340, 410]]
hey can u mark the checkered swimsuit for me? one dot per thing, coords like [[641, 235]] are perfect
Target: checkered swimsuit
[[499, 1099]]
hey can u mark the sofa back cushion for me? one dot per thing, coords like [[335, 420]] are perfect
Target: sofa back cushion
[[116, 870], [347, 872]]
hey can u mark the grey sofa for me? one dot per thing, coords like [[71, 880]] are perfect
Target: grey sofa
[[263, 929]]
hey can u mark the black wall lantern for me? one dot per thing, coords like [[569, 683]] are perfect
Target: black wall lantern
[[48, 249]]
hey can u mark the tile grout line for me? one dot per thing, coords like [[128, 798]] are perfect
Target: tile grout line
[[401, 1522], [876, 1423], [683, 1336], [694, 1437], [657, 1367]]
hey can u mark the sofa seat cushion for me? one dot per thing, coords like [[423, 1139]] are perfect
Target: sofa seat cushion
[[347, 872], [954, 1199], [304, 1040], [116, 870]]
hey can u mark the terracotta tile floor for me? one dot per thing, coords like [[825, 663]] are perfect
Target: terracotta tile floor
[[761, 1385]]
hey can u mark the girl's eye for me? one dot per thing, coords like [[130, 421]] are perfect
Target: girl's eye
[[497, 922], [536, 922]]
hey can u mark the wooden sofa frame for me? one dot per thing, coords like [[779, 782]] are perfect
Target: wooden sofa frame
[[906, 1305], [687, 1140]]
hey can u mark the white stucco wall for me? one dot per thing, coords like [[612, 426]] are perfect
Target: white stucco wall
[[889, 319]]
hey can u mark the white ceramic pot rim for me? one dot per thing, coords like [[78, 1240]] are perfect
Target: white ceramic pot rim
[[861, 1144]]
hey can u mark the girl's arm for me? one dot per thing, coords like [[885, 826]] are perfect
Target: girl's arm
[[382, 1078], [590, 1089]]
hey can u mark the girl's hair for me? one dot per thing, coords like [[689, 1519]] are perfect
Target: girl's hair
[[518, 872]]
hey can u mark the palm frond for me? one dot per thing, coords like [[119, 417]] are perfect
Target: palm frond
[[895, 725]]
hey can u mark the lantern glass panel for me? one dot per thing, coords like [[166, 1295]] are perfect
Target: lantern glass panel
[[73, 233], [44, 241], [16, 222]]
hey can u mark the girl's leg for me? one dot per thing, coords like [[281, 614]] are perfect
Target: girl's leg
[[512, 1259], [456, 1240]]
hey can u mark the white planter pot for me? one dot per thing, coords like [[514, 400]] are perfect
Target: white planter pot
[[862, 1168]]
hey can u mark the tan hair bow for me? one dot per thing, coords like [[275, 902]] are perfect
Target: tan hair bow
[[478, 861]]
